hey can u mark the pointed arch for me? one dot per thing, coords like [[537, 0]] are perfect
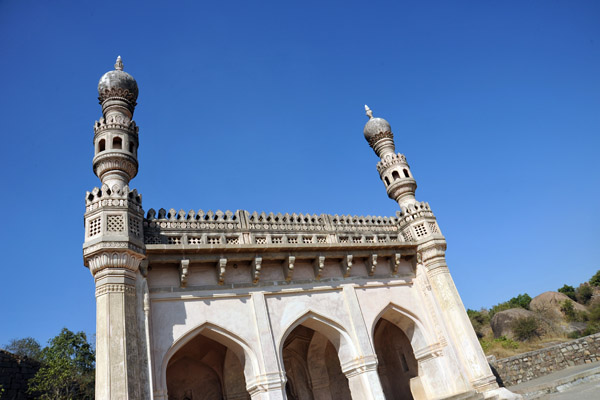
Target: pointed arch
[[408, 322], [332, 330], [220, 335]]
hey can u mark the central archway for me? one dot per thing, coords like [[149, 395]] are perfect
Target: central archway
[[312, 367]]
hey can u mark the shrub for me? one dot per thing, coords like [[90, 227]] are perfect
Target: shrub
[[569, 291], [567, 308], [478, 319], [526, 328], [584, 293]]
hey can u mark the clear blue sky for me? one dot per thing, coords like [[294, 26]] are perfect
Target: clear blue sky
[[259, 106]]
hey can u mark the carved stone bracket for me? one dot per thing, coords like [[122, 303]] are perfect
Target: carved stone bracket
[[397, 259], [372, 264], [318, 265], [347, 265], [360, 365], [183, 272], [288, 268], [221, 265], [108, 259], [256, 267]]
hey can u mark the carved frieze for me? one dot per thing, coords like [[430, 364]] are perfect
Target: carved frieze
[[108, 259]]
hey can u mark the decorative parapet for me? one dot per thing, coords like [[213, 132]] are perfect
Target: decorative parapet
[[218, 228], [105, 196], [117, 121], [389, 160]]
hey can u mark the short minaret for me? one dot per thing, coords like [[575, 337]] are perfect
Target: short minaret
[[393, 168], [114, 245]]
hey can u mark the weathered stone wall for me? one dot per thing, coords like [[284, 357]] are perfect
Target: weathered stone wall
[[15, 371], [531, 365]]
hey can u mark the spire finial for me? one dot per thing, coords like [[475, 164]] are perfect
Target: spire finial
[[369, 112], [119, 64]]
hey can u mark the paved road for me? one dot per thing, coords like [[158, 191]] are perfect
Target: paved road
[[583, 391]]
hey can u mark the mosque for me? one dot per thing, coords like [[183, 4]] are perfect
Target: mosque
[[204, 305]]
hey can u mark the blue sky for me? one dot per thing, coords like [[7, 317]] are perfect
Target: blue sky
[[259, 106]]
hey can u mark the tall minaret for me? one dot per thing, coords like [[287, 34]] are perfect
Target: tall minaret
[[417, 224], [114, 246]]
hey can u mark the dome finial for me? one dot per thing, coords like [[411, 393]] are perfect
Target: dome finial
[[119, 64], [369, 112]]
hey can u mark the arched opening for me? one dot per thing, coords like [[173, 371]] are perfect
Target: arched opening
[[207, 370], [131, 147], [387, 181], [101, 145], [396, 361], [406, 174], [395, 175], [117, 143], [312, 367]]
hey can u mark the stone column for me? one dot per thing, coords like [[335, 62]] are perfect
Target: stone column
[[117, 358], [431, 255], [271, 383], [362, 372]]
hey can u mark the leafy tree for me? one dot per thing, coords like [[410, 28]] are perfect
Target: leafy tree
[[569, 291], [26, 347], [595, 281], [67, 370], [584, 293], [521, 300]]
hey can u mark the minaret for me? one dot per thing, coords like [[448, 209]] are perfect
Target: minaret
[[114, 245], [417, 224], [393, 168]]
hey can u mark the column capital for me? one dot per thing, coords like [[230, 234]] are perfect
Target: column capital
[[266, 383]]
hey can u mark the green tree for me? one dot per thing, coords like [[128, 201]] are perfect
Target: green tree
[[584, 293], [569, 291], [67, 370], [26, 347], [521, 300], [595, 280]]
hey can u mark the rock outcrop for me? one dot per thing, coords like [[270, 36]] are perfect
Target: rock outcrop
[[549, 303]]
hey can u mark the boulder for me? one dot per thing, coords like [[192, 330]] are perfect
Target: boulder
[[502, 321], [549, 304]]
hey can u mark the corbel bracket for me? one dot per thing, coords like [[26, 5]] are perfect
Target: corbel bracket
[[318, 265], [397, 259], [183, 272], [372, 264], [347, 265], [256, 266], [288, 268], [221, 266]]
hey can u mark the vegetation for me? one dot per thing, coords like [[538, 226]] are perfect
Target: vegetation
[[526, 328], [67, 370], [584, 293], [521, 300], [26, 347], [543, 328], [569, 291], [595, 280]]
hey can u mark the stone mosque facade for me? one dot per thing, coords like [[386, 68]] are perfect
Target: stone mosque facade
[[204, 305]]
